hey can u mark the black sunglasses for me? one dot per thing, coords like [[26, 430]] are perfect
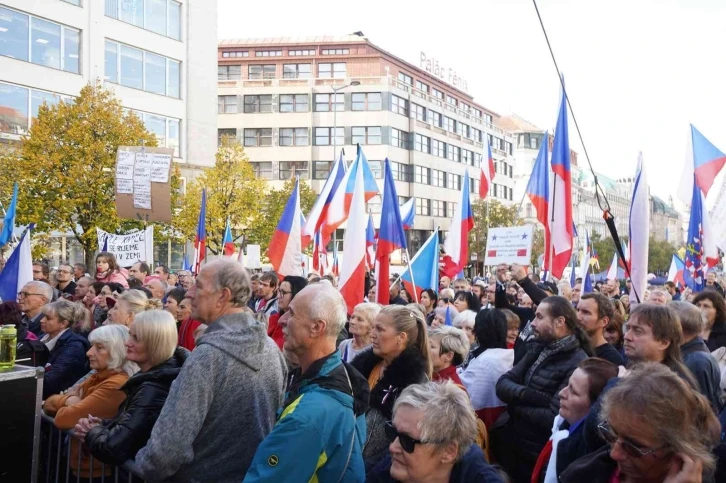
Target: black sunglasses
[[611, 437], [407, 442], [446, 300]]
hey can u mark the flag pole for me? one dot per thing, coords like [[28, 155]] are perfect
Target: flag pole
[[410, 270]]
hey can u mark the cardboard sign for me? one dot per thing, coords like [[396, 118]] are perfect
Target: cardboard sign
[[137, 246], [253, 257], [509, 245], [142, 183]]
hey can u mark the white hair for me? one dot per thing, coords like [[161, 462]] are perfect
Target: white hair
[[467, 316], [43, 288], [451, 339], [448, 416], [329, 306], [114, 337]]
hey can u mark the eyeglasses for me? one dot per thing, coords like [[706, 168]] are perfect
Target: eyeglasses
[[611, 437], [446, 300], [27, 294], [407, 442], [282, 292]]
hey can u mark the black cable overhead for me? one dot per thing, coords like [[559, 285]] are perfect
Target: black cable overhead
[[599, 193]]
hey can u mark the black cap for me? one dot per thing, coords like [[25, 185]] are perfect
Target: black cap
[[549, 287]]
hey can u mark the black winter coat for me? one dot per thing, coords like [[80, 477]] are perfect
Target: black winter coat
[[66, 363], [532, 407], [119, 439]]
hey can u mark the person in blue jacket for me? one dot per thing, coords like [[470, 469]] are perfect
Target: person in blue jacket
[[320, 430]]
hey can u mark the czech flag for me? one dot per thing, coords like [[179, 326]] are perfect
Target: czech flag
[[18, 270], [339, 207], [701, 251], [390, 234], [200, 240], [538, 191], [9, 223], [456, 245], [319, 211], [425, 268], [613, 270], [320, 254], [676, 270], [561, 200], [370, 243], [487, 172], [639, 232], [285, 250], [408, 214], [353, 268], [227, 241]]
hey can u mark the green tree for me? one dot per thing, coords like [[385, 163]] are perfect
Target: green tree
[[538, 240], [65, 166], [500, 215], [232, 191], [660, 254], [274, 202], [605, 248]]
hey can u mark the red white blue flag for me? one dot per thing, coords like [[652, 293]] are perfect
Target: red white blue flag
[[200, 240], [285, 250]]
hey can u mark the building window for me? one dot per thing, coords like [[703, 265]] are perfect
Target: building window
[[476, 134], [453, 153], [228, 54], [400, 138], [77, 3], [438, 208], [336, 51], [450, 207], [402, 172], [422, 87], [462, 129], [376, 169], [323, 136], [143, 70], [423, 207], [366, 101], [258, 104], [437, 93], [405, 78], [159, 16], [438, 178], [294, 103], [294, 136], [332, 70], [511, 171], [166, 129], [14, 105], [449, 124], [301, 52], [261, 71], [451, 100], [508, 147], [258, 137], [422, 143], [263, 170], [366, 135], [229, 72], [399, 105], [477, 113], [464, 107], [422, 175], [227, 104], [418, 112], [39, 41], [296, 71], [467, 157], [434, 118], [288, 169], [487, 118], [532, 142], [473, 185], [268, 53], [453, 181], [222, 133], [321, 169], [438, 148], [329, 102]]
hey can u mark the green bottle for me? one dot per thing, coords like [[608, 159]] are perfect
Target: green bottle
[[8, 343]]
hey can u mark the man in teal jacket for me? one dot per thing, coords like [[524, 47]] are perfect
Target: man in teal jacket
[[320, 429]]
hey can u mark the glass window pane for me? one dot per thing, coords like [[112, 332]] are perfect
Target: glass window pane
[[132, 11], [38, 97], [13, 34], [174, 29], [111, 62], [173, 141], [156, 125], [154, 73], [71, 50], [131, 67], [155, 16], [174, 74], [45, 37], [13, 109], [111, 8]]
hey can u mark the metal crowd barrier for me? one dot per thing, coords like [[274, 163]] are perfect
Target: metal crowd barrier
[[55, 460]]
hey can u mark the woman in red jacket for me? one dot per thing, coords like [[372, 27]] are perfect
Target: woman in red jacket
[[289, 287]]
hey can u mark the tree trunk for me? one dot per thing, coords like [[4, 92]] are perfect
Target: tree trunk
[[90, 258]]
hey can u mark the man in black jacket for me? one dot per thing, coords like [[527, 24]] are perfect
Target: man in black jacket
[[594, 312], [531, 389]]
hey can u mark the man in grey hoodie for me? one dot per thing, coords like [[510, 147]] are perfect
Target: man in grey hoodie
[[224, 401]]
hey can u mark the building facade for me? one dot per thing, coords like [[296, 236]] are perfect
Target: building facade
[[295, 102], [156, 55]]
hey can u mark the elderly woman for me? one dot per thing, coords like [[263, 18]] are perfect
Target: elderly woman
[[465, 321], [130, 303], [490, 360], [152, 345], [567, 442], [440, 315], [66, 349], [108, 270], [189, 329], [448, 347], [446, 297], [432, 438], [100, 394], [399, 357], [360, 326], [289, 287], [658, 429], [713, 307]]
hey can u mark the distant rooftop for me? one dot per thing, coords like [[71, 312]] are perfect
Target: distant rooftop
[[312, 39], [516, 124]]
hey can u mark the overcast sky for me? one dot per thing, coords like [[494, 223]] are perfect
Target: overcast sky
[[637, 71]]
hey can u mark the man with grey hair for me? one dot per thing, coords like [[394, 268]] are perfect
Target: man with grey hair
[[461, 284], [659, 297], [696, 356], [31, 298], [223, 403], [321, 430]]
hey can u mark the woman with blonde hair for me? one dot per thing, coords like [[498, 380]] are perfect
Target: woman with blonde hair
[[100, 394], [360, 326], [449, 347], [130, 303], [153, 346], [399, 357]]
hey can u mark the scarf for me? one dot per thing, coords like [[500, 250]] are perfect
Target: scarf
[[560, 345]]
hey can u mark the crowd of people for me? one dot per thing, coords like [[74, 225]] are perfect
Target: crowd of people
[[229, 376]]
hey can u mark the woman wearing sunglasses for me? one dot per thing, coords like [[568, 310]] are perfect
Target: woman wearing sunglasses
[[658, 430], [431, 437]]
